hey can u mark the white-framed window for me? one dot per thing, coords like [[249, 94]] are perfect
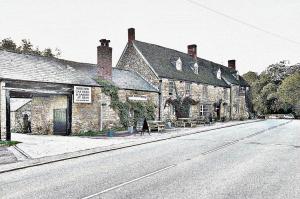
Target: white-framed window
[[204, 109], [171, 87], [179, 64], [196, 68], [188, 90], [219, 74]]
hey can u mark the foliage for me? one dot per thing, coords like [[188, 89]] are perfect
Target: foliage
[[181, 105], [138, 109], [275, 89], [8, 143], [27, 47], [250, 76]]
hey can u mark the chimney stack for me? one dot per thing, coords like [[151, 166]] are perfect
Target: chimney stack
[[192, 50], [231, 64], [104, 60], [131, 34]]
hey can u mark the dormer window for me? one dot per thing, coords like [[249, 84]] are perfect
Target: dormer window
[[196, 68], [179, 64], [219, 74]]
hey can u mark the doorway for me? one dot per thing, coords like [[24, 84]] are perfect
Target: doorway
[[60, 121]]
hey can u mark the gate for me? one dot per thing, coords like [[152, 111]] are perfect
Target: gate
[[60, 121]]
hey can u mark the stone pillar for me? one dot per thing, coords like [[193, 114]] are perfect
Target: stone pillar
[[2, 111]]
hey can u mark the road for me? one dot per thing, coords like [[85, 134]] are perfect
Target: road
[[256, 160]]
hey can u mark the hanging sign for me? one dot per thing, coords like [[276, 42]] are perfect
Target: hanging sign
[[82, 94]]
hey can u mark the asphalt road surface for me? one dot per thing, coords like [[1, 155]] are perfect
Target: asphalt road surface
[[256, 160]]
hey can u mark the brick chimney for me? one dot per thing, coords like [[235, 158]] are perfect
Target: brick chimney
[[131, 34], [104, 60], [192, 50], [231, 64]]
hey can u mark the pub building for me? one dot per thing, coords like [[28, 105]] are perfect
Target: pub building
[[65, 98]]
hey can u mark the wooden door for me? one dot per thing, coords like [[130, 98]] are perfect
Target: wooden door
[[60, 121]]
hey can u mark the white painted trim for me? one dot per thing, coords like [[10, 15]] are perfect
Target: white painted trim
[[145, 60]]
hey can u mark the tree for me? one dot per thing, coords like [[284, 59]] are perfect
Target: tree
[[250, 77], [47, 53], [27, 47], [289, 90], [8, 44]]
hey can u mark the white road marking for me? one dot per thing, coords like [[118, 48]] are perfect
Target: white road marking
[[131, 181]]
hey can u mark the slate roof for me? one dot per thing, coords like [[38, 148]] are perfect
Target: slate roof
[[162, 60], [131, 80], [124, 79], [25, 67]]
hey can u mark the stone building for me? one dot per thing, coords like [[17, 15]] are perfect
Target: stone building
[[19, 109], [66, 96], [219, 90]]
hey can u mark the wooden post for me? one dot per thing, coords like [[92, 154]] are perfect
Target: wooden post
[[8, 133], [69, 114]]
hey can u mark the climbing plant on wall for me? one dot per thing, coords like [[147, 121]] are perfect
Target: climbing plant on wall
[[139, 109], [181, 104]]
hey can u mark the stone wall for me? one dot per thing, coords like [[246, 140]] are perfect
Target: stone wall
[[42, 112], [2, 111], [16, 118], [111, 117], [238, 105], [86, 117], [132, 60], [214, 94]]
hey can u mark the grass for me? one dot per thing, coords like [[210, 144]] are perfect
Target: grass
[[8, 143]]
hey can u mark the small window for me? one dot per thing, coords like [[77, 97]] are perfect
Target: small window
[[179, 64], [187, 89], [171, 87]]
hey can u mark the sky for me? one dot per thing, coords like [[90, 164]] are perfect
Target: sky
[[76, 26]]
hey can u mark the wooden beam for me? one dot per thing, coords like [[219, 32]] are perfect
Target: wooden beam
[[8, 133], [69, 114]]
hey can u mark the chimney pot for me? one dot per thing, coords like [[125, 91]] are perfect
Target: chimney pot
[[192, 50], [131, 34], [104, 42], [231, 64]]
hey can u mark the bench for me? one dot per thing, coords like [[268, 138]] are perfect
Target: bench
[[156, 125]]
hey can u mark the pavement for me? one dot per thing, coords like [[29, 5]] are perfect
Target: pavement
[[42, 149], [253, 160], [6, 156]]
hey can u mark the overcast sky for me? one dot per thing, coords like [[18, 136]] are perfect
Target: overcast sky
[[75, 27]]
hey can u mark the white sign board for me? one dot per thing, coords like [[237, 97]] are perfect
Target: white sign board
[[82, 94], [138, 98]]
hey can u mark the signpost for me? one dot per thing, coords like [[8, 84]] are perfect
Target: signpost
[[82, 94]]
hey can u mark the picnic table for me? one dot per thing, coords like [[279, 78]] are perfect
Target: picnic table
[[156, 125], [183, 122]]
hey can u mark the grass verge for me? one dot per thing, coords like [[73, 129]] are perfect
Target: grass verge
[[8, 143]]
